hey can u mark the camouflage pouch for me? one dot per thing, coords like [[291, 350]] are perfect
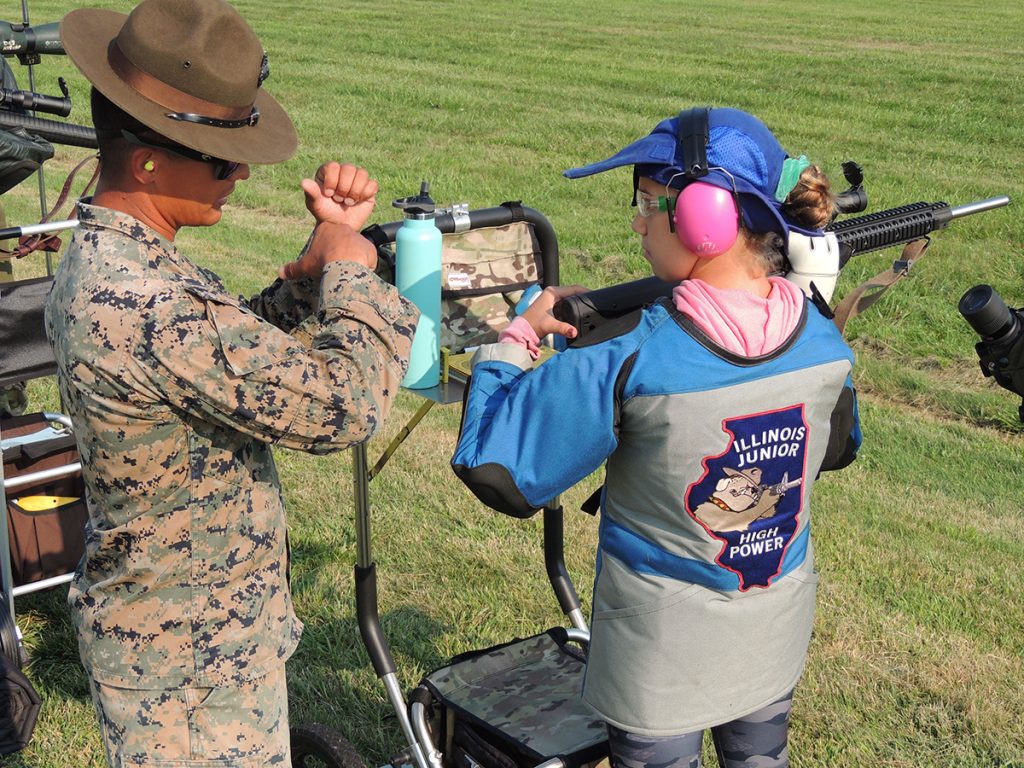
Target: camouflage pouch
[[516, 705], [484, 273]]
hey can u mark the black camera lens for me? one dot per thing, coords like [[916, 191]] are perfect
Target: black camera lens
[[986, 312]]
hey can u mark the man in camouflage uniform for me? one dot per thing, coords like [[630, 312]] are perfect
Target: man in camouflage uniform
[[178, 389]]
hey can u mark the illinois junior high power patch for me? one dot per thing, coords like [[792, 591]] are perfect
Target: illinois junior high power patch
[[750, 496]]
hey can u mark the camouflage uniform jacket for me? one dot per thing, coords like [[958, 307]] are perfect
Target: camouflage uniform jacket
[[178, 390]]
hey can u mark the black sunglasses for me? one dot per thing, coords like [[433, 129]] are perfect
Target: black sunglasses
[[222, 169]]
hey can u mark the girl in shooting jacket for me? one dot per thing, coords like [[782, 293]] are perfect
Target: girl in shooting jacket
[[715, 410]]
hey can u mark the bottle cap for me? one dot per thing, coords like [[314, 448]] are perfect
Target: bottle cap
[[419, 206]]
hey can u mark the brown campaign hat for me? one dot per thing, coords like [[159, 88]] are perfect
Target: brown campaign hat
[[191, 70]]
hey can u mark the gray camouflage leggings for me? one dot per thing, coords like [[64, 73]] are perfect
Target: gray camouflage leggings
[[755, 741]]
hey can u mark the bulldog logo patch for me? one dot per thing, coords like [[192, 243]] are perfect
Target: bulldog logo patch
[[750, 496]]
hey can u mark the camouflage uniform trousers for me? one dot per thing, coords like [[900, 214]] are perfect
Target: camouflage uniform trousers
[[232, 727], [758, 740]]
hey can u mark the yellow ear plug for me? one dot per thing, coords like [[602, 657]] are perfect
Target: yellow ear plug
[[148, 165]]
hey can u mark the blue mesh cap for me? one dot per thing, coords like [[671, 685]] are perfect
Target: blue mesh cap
[[737, 141]]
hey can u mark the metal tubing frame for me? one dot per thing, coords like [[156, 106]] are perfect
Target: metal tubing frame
[[367, 617], [418, 714], [499, 216], [414, 726], [6, 575]]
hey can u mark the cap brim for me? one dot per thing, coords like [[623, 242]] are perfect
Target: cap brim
[[656, 148], [87, 33]]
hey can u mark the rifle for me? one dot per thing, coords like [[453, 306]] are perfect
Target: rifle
[[780, 488], [27, 43], [18, 107], [862, 234], [53, 131]]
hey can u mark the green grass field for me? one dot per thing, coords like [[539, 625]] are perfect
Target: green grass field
[[918, 652]]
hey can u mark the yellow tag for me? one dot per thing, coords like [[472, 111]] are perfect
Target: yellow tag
[[546, 353], [43, 503], [445, 354], [461, 363]]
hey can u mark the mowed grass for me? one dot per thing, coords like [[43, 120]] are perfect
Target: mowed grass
[[919, 638]]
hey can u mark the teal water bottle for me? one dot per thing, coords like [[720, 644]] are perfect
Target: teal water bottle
[[418, 278]]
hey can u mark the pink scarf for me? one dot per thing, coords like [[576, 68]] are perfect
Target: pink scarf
[[738, 320]]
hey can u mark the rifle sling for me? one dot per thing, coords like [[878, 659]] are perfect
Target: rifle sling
[[44, 242], [870, 291]]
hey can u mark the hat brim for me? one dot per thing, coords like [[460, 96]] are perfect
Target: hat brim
[[87, 33], [656, 148]]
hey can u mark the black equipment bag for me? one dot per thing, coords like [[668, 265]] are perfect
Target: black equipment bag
[[21, 154], [26, 352], [19, 707]]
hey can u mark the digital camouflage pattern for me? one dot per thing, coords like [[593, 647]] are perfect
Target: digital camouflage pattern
[[178, 390], [525, 689], [245, 726], [484, 273], [758, 740]]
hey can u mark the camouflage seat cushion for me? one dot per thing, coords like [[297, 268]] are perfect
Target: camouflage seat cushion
[[527, 693]]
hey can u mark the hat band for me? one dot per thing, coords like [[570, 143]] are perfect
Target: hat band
[[168, 96]]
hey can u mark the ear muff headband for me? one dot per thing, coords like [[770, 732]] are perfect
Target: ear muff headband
[[693, 134]]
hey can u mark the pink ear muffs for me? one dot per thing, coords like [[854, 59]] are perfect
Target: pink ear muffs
[[706, 219]]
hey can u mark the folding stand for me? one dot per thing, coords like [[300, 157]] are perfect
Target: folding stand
[[568, 746]]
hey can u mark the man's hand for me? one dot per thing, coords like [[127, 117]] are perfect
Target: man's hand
[[542, 319], [340, 194], [330, 242]]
